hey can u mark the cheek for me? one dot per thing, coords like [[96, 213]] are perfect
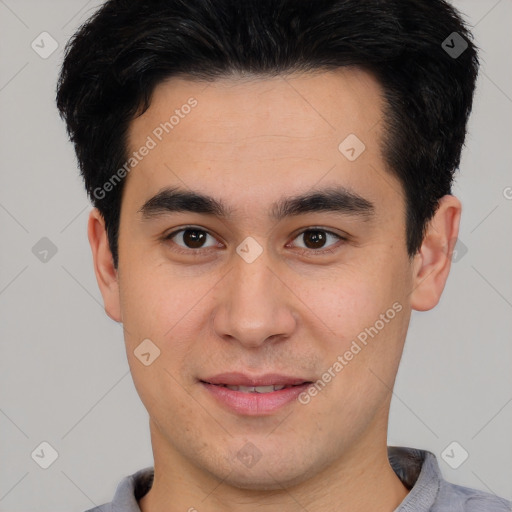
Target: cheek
[[154, 303], [343, 303], [170, 311], [363, 316]]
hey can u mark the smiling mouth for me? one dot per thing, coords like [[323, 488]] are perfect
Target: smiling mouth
[[254, 396], [257, 389]]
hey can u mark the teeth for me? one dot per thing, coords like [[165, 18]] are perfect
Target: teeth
[[256, 389]]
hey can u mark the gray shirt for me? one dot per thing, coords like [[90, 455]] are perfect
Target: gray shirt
[[417, 469]]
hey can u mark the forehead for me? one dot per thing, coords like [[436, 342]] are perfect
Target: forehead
[[315, 103], [249, 137]]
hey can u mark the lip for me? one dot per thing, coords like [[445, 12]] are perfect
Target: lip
[[254, 404], [242, 379]]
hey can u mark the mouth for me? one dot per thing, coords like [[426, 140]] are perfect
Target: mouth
[[254, 396], [258, 389]]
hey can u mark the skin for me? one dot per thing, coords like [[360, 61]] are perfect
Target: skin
[[249, 143]]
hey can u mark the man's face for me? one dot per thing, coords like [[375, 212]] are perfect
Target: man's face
[[294, 309]]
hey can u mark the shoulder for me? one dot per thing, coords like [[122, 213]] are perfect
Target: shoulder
[[129, 491], [429, 491], [456, 498], [107, 507]]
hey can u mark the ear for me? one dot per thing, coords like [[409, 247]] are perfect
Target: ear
[[433, 261], [106, 273]]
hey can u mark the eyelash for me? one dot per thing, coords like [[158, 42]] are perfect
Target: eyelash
[[302, 251]]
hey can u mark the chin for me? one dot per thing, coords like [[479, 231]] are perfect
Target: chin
[[267, 475]]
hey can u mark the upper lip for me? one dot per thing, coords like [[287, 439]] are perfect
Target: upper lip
[[241, 379]]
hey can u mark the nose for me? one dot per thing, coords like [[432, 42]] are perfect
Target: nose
[[255, 305]]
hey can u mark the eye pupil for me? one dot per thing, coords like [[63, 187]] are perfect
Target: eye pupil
[[317, 237], [196, 239]]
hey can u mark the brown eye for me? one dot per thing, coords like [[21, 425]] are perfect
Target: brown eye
[[194, 238], [314, 240], [191, 238]]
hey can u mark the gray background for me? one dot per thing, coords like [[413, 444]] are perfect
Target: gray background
[[64, 377]]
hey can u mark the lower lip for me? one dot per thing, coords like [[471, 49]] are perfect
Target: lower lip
[[255, 404]]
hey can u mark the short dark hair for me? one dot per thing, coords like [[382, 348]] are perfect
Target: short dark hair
[[114, 61]]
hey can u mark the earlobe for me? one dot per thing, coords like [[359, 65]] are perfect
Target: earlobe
[[433, 261], [106, 273]]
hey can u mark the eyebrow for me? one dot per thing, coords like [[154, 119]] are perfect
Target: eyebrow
[[331, 199]]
